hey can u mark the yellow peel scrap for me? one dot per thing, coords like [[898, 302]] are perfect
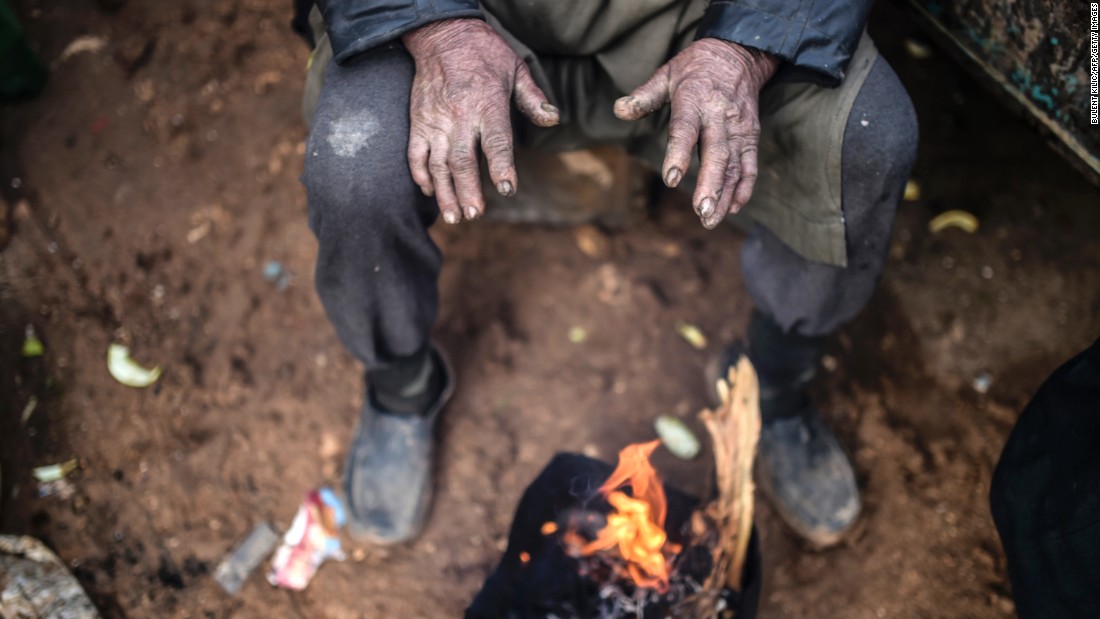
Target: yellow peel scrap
[[912, 191], [962, 220], [126, 371], [692, 335], [54, 472]]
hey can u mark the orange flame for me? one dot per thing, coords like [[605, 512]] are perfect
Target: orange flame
[[636, 526]]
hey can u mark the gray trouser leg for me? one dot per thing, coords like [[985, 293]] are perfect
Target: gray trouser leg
[[810, 298], [376, 266]]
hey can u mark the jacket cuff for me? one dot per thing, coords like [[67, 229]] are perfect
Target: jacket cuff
[[809, 55], [354, 28]]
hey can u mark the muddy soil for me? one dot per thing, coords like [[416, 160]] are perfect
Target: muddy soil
[[160, 176]]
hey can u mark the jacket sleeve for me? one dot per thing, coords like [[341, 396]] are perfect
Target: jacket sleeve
[[355, 26], [815, 38]]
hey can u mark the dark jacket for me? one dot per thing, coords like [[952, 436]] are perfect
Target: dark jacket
[[1045, 496], [816, 38]]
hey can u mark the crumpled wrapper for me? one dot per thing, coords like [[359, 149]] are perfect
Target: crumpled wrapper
[[311, 540]]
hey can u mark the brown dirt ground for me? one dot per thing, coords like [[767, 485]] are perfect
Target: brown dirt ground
[[163, 171]]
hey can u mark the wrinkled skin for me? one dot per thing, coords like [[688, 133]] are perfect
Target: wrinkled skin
[[466, 75], [714, 88]]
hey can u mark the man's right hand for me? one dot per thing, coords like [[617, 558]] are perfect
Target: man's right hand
[[465, 77]]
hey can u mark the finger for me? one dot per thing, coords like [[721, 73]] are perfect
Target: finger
[[531, 100], [714, 157], [462, 159], [683, 133], [733, 176], [646, 99], [418, 164], [496, 143], [749, 171], [441, 180]]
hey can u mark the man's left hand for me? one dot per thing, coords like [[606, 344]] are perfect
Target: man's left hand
[[714, 88]]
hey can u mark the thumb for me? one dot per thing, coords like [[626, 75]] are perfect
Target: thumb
[[647, 98], [531, 100]]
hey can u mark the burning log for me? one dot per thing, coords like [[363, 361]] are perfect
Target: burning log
[[591, 542]]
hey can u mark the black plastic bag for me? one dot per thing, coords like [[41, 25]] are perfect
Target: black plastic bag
[[549, 583]]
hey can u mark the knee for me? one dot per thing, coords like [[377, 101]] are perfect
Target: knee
[[882, 132], [356, 170], [356, 176]]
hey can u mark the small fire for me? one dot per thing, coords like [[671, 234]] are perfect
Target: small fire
[[636, 525]]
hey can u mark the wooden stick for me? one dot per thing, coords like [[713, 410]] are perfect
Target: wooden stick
[[734, 428]]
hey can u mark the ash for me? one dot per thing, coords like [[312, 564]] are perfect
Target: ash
[[619, 598]]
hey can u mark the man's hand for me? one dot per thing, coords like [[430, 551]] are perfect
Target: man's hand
[[714, 87], [465, 77]]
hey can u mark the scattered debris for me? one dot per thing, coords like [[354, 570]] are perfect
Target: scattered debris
[[591, 450], [263, 83], [612, 287], [311, 540], [692, 335], [917, 50], [912, 191], [235, 569], [37, 585], [592, 241], [32, 346], [276, 273], [85, 44], [28, 410], [60, 488], [982, 382], [126, 371], [273, 270], [54, 472], [677, 437], [589, 165], [962, 220], [198, 233], [578, 335]]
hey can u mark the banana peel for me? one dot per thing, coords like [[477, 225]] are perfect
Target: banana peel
[[127, 371], [962, 220]]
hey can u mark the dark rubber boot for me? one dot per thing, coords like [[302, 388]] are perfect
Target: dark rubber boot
[[388, 475], [801, 466]]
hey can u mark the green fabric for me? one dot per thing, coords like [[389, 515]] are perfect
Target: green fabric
[[586, 55]]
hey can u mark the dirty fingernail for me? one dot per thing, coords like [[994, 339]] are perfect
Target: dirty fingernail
[[546, 107], [673, 177], [450, 217], [471, 213], [624, 106], [706, 207], [505, 188]]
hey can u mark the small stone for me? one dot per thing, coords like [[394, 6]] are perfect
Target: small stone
[[982, 382], [577, 335], [592, 242]]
